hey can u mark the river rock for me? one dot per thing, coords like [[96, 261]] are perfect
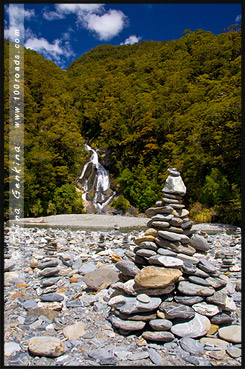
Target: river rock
[[48, 272], [142, 297], [160, 225], [199, 280], [159, 336], [146, 253], [51, 297], [45, 346], [206, 309], [87, 268], [151, 232], [10, 347], [160, 324], [213, 341], [234, 351], [130, 305], [216, 282], [160, 218], [149, 238], [196, 327], [188, 267], [144, 317], [221, 318], [127, 325], [218, 298], [174, 185], [183, 249], [205, 265], [48, 264], [155, 277], [199, 243], [49, 281], [9, 265], [168, 200], [101, 278], [188, 300], [29, 304], [192, 289], [171, 236], [166, 261], [166, 252], [230, 304], [186, 224], [127, 267], [188, 259], [158, 210], [74, 331], [132, 288], [232, 333], [200, 273], [148, 245], [176, 222], [192, 346], [174, 310], [103, 356]]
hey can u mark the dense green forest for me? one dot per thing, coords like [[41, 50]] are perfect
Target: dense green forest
[[146, 107]]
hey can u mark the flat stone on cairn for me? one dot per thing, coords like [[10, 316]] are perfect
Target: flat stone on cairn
[[171, 289]]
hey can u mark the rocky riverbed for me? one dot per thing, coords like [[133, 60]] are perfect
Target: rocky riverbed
[[58, 283]]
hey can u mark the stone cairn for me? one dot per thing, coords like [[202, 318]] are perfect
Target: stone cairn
[[168, 286]]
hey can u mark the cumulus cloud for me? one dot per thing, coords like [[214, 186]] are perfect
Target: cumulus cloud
[[42, 45], [131, 40], [59, 51], [93, 17], [106, 26]]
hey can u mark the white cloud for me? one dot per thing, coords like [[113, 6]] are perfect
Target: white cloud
[[17, 16], [60, 51], [79, 8], [42, 45], [93, 17], [62, 10], [28, 33], [19, 12], [131, 40], [107, 25], [238, 18], [52, 15], [9, 33]]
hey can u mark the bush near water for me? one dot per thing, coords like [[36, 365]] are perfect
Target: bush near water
[[148, 106]]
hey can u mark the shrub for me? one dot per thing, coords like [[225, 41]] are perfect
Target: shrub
[[121, 203]]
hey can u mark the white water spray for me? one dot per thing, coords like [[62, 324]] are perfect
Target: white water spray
[[96, 178]]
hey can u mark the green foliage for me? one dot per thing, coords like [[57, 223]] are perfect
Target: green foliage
[[54, 148], [66, 200], [201, 214], [216, 188], [120, 203]]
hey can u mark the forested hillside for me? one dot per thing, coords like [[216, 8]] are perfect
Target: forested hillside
[[148, 106]]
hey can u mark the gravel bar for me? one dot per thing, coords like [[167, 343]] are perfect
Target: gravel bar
[[107, 222]]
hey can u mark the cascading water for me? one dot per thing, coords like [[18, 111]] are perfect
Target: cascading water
[[95, 182]]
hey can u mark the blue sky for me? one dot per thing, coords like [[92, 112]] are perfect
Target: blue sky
[[63, 32]]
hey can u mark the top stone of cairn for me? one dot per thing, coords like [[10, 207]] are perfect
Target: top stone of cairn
[[174, 183]]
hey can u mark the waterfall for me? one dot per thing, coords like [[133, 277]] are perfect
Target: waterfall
[[95, 182]]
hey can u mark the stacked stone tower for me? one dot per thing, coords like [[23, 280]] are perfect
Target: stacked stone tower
[[169, 287]]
